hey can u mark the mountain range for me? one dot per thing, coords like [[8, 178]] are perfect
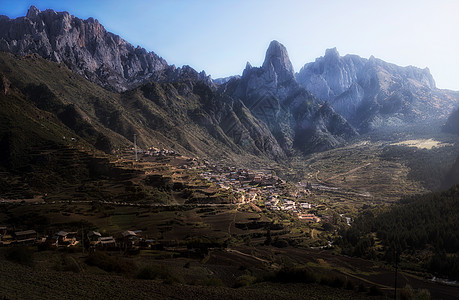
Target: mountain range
[[102, 90], [297, 119], [85, 47], [372, 94]]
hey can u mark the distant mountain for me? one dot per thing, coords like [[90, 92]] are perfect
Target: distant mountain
[[371, 93], [85, 47], [297, 119], [225, 79]]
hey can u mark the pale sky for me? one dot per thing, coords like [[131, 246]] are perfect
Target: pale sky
[[219, 37]]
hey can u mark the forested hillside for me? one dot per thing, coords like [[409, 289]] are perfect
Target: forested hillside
[[422, 230]]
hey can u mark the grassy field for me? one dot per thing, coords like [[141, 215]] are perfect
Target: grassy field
[[369, 173]]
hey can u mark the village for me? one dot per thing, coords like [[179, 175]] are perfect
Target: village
[[249, 186], [129, 240], [258, 189], [253, 186]]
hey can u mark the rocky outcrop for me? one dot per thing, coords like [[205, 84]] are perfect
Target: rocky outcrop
[[371, 93], [224, 80], [277, 64], [83, 45], [331, 75], [297, 119]]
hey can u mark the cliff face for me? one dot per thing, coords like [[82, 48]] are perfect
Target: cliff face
[[83, 45], [297, 119], [188, 116], [371, 93]]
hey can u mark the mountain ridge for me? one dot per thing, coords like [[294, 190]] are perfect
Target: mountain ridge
[[86, 48], [298, 120], [265, 111], [371, 93]]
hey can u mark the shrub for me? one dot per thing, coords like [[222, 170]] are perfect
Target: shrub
[[349, 285], [294, 275], [362, 288], [408, 293], [109, 263], [245, 280], [375, 291], [280, 243], [423, 294], [66, 263], [21, 255], [212, 281], [152, 272], [332, 280]]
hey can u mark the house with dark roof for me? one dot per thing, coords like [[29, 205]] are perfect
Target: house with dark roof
[[25, 237]]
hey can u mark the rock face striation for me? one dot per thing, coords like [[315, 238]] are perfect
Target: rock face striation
[[85, 47], [297, 119], [263, 112], [371, 93]]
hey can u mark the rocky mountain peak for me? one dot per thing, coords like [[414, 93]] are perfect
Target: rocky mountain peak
[[83, 45], [331, 53], [372, 93], [32, 12], [277, 57]]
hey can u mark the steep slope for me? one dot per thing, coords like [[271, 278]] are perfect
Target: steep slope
[[182, 108], [188, 116], [39, 154], [423, 229], [85, 47], [52, 122], [371, 93], [297, 119]]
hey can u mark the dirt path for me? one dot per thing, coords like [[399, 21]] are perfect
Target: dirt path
[[255, 208], [366, 280], [232, 222], [77, 264], [349, 172], [248, 255], [317, 176]]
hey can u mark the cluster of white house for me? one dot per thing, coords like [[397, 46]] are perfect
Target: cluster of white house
[[246, 183], [298, 209]]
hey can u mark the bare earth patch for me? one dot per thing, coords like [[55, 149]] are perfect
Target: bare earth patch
[[422, 144]]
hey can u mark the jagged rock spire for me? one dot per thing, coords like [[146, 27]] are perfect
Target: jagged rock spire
[[277, 57], [32, 12], [332, 55]]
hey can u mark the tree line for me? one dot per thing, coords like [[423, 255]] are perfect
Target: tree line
[[419, 230]]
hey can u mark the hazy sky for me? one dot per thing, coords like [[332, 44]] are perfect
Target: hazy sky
[[221, 36]]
